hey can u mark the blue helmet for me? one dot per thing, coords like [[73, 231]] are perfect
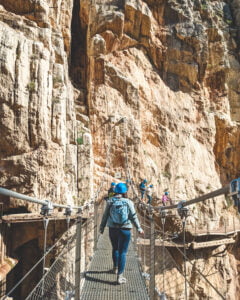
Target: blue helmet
[[145, 181], [113, 184], [121, 188], [151, 185], [166, 193]]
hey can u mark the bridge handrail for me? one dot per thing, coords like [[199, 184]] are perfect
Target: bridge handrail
[[34, 266], [9, 193], [200, 273], [224, 190], [221, 191]]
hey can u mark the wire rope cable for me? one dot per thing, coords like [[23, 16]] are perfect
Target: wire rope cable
[[127, 170], [187, 259], [45, 224], [67, 268], [55, 268], [106, 171], [185, 267], [36, 264], [163, 250]]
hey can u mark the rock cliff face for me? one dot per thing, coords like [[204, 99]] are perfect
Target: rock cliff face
[[40, 123], [71, 70]]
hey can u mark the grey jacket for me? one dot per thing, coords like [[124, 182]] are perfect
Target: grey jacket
[[106, 218]]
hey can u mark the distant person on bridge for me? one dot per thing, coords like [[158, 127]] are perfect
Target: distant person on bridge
[[142, 188], [111, 192], [149, 192], [119, 216], [166, 198]]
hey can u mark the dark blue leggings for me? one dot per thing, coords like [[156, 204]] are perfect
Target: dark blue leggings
[[149, 199], [120, 239]]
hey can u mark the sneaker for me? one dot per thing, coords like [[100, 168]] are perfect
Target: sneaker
[[121, 279], [114, 270]]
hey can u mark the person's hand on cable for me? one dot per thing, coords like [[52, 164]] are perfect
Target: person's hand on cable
[[141, 232]]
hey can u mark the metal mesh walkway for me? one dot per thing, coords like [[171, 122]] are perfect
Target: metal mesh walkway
[[101, 284]]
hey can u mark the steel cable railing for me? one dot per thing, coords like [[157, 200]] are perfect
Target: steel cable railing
[[151, 258], [86, 237], [61, 240], [83, 232], [187, 290], [50, 286], [148, 251]]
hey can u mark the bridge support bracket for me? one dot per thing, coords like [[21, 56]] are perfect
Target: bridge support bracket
[[182, 211], [68, 211], [47, 209]]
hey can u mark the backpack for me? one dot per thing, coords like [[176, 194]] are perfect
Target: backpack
[[119, 211], [142, 186]]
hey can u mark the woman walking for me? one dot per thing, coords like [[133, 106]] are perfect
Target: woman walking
[[119, 216]]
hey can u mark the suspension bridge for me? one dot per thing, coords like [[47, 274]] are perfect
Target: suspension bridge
[[76, 260], [151, 264], [76, 265]]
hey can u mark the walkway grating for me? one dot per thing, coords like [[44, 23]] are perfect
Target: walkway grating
[[101, 284]]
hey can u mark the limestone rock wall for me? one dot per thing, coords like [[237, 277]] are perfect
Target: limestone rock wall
[[41, 126], [167, 67], [72, 70], [171, 69], [46, 148]]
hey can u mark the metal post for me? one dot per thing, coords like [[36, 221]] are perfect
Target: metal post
[[163, 219], [163, 249], [95, 225], [152, 258], [78, 258], [2, 247], [185, 269], [135, 239], [67, 262], [144, 237], [45, 224], [184, 213]]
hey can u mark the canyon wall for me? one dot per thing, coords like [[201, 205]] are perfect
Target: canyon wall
[[94, 88], [40, 121]]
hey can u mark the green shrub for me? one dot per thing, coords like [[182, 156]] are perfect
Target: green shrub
[[167, 175], [31, 87], [229, 22], [209, 187], [80, 140], [204, 7], [57, 80], [55, 100], [229, 201], [34, 56]]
